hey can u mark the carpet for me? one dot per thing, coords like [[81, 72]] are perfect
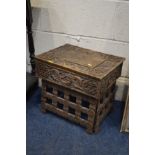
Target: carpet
[[48, 134]]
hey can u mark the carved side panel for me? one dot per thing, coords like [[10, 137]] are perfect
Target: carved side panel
[[110, 79], [67, 79]]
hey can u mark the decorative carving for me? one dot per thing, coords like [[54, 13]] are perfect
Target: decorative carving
[[54, 57], [110, 79], [103, 68], [67, 79], [88, 62]]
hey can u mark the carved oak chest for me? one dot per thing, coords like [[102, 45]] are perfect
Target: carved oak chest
[[78, 84]]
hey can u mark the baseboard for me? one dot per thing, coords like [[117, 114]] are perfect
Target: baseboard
[[122, 86]]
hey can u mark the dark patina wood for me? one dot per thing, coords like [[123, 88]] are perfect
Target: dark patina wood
[[84, 78], [31, 80], [30, 37]]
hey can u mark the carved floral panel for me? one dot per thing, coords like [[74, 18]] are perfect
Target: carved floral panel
[[65, 78]]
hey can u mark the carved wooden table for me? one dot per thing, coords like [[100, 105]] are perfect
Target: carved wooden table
[[78, 84]]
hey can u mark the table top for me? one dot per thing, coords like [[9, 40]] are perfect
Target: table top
[[81, 60]]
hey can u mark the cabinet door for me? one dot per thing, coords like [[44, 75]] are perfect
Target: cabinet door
[[125, 120]]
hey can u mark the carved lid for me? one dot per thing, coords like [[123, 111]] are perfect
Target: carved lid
[[81, 60]]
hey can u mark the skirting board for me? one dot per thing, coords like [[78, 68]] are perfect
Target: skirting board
[[122, 85]]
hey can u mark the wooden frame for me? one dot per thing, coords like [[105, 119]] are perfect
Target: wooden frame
[[125, 120]]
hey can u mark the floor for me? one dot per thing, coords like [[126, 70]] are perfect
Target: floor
[[48, 134]]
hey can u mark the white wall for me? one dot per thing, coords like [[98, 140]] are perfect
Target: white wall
[[101, 25]]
